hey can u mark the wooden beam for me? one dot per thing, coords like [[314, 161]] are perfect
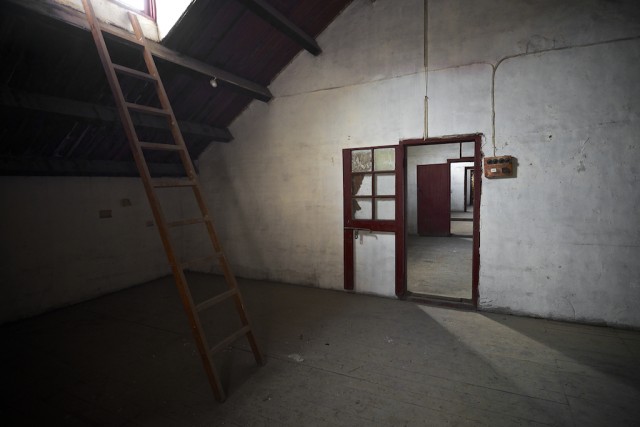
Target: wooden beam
[[232, 81], [77, 19], [83, 110], [41, 166], [282, 24]]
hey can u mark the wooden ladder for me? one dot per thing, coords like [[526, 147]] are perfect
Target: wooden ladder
[[150, 184]]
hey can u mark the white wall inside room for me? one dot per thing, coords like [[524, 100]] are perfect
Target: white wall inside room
[[56, 251], [567, 111], [283, 172], [457, 185], [573, 126], [289, 187]]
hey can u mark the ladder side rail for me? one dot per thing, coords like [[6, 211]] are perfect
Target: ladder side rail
[[163, 97], [130, 132], [188, 164], [179, 140], [161, 222]]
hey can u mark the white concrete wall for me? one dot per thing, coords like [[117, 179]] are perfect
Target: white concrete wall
[[277, 190], [457, 185], [556, 80], [55, 250], [573, 126]]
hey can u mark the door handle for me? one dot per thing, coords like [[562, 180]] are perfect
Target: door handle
[[357, 231]]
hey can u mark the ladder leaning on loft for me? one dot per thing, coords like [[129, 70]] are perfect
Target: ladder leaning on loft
[[150, 185]]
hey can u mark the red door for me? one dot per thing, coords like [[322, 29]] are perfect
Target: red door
[[434, 203]]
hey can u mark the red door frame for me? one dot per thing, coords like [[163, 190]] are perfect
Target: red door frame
[[467, 192], [401, 195], [351, 224]]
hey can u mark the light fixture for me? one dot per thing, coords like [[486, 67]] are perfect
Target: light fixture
[[214, 82]]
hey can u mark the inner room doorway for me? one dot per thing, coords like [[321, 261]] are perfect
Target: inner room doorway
[[441, 218]]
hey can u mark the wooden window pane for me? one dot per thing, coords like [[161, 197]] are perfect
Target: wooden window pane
[[362, 208], [362, 185], [361, 161], [385, 209], [385, 185], [385, 159]]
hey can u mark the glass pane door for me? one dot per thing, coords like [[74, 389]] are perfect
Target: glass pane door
[[370, 218]]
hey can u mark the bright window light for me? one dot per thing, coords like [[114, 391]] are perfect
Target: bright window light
[[168, 13], [165, 12], [134, 4]]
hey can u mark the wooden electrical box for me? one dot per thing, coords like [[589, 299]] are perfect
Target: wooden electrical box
[[499, 167]]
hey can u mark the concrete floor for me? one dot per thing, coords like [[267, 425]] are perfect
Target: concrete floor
[[334, 359], [462, 228], [440, 266]]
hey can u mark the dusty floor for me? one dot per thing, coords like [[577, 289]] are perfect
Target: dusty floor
[[440, 266], [334, 358]]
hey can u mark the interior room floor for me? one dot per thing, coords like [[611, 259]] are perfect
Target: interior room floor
[[333, 359], [440, 266]]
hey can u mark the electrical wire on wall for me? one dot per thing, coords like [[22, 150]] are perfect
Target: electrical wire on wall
[[426, 69], [535, 52]]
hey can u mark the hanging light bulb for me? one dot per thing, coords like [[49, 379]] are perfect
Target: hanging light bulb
[[213, 82]]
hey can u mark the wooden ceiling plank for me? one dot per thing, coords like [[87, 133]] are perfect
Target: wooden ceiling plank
[[45, 166], [282, 24], [77, 19], [84, 110]]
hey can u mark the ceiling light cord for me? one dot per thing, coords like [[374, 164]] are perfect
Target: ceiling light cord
[[426, 69]]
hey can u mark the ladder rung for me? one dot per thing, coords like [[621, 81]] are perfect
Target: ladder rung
[[231, 338], [162, 147], [129, 37], [134, 73], [113, 72], [215, 300], [160, 183], [147, 109], [186, 264], [185, 222]]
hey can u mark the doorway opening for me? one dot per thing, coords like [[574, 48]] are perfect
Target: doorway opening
[[441, 230]]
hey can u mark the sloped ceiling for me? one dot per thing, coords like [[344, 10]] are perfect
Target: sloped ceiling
[[58, 114]]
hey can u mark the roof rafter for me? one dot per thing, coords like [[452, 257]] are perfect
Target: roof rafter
[[282, 24], [77, 19], [47, 166], [83, 110]]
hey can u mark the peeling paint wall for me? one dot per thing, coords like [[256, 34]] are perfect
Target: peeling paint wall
[[551, 83]]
